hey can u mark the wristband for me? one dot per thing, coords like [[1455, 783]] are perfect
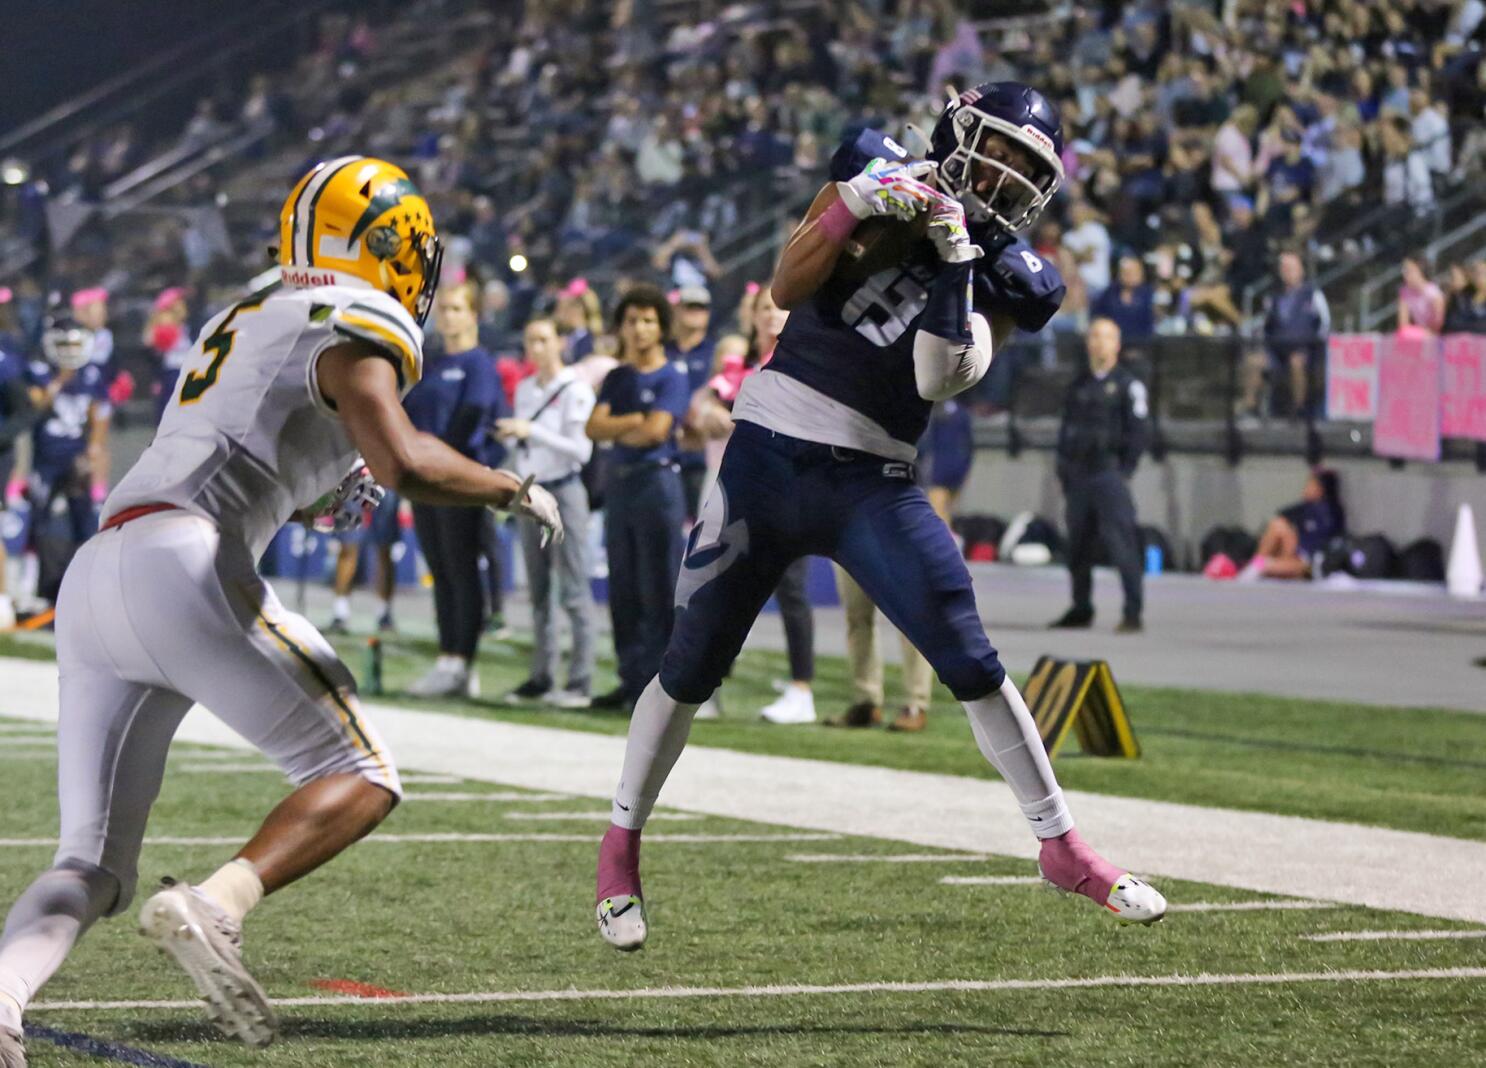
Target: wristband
[[837, 222]]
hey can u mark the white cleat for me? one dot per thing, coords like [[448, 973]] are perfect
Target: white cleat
[[1134, 900], [12, 1049], [622, 922], [207, 944], [792, 708]]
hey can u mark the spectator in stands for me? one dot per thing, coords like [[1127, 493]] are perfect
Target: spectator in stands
[[457, 400], [1466, 313], [1421, 303], [1233, 153], [640, 407], [1297, 321], [1431, 132], [686, 258], [1100, 441], [1129, 302], [1299, 533], [1088, 243], [693, 345], [547, 439], [1408, 183]]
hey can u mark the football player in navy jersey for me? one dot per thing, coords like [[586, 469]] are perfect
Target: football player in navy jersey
[[821, 462]]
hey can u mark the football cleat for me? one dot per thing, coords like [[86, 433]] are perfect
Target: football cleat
[[622, 922], [12, 1049], [1070, 864], [207, 943]]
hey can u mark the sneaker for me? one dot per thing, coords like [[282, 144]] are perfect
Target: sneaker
[[207, 943], [711, 708], [616, 700], [530, 690], [386, 624], [569, 698], [497, 629], [1073, 619], [338, 626], [12, 1049], [1130, 625], [861, 714], [447, 678], [1070, 864], [909, 720], [795, 706]]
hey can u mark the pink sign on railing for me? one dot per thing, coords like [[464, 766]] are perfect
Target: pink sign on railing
[[1463, 388], [1408, 422], [1352, 376]]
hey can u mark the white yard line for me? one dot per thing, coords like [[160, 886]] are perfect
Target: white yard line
[[887, 858], [1391, 936], [604, 816], [808, 990], [1262, 852], [457, 837], [496, 795], [992, 880], [1250, 906]]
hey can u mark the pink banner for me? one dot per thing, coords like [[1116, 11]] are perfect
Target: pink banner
[[1463, 388], [1408, 422], [1352, 376]]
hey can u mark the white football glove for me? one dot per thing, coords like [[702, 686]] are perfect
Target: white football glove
[[949, 233], [345, 508], [885, 188], [535, 503]]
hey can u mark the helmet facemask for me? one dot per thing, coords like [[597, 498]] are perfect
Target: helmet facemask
[[420, 258], [67, 345], [994, 190]]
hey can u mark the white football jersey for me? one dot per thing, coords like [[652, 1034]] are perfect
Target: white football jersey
[[247, 438]]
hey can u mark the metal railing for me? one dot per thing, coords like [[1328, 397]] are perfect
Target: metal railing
[[1461, 240]]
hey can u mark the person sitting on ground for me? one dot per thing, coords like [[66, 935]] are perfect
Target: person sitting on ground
[[1298, 533]]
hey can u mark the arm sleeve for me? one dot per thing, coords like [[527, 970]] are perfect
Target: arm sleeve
[[1137, 425], [944, 367]]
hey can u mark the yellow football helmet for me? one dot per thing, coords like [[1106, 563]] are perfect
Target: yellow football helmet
[[362, 218]]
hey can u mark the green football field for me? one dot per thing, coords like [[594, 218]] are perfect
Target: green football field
[[772, 946]]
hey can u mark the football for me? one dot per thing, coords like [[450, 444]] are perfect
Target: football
[[878, 243]]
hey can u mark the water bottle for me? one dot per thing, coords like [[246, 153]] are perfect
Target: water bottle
[[1153, 559], [373, 672]]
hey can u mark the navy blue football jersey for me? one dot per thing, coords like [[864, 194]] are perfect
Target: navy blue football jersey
[[853, 341]]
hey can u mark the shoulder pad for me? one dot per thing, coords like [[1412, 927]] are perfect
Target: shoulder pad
[[385, 324], [1021, 283], [860, 148]]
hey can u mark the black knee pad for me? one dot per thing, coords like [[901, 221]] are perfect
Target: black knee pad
[[971, 677]]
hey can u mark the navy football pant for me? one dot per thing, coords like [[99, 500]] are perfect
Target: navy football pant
[[778, 498]]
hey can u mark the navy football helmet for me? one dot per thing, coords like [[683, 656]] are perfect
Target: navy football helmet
[[999, 148]]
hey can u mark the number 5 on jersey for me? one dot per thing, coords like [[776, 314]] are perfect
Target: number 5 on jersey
[[219, 344]]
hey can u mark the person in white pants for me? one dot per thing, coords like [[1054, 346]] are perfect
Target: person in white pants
[[163, 608]]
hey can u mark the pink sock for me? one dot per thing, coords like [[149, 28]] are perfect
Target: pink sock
[[1071, 863], [619, 863]]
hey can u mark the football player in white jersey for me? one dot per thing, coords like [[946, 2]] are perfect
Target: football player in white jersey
[[163, 608]]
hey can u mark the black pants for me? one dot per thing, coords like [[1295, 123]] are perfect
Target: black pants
[[798, 619], [643, 512], [449, 536], [491, 556], [1100, 505]]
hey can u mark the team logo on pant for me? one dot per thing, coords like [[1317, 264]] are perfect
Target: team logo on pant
[[713, 546]]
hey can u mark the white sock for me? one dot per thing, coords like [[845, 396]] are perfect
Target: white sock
[[342, 609], [1008, 738], [236, 887], [657, 734]]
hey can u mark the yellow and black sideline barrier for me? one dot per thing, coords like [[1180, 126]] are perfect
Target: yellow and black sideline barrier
[[1080, 695]]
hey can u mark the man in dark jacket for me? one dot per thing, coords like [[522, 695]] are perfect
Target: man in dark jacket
[[1104, 431]]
